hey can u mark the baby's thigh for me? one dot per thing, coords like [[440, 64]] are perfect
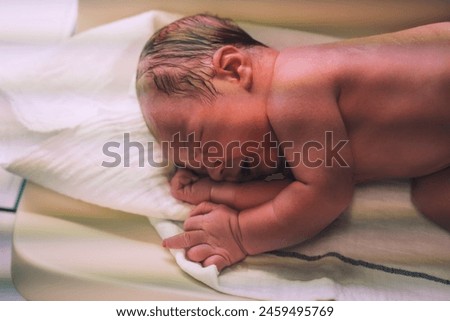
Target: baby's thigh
[[431, 195]]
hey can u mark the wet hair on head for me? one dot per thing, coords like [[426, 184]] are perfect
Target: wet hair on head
[[178, 57]]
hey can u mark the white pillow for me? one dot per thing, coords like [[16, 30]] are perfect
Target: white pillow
[[60, 109], [64, 106]]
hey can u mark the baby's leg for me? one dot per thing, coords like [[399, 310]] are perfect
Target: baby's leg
[[431, 195]]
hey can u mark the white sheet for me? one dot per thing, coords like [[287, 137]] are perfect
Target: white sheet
[[63, 108]]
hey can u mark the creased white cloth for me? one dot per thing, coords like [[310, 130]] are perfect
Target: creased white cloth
[[60, 108]]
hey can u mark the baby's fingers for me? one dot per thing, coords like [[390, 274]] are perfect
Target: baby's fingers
[[185, 240], [183, 177], [194, 223], [199, 253], [219, 261], [205, 253], [203, 208], [188, 179]]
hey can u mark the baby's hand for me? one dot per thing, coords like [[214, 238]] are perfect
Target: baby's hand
[[211, 237], [188, 187]]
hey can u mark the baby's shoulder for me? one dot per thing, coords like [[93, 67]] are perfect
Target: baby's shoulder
[[303, 103], [304, 87], [299, 66]]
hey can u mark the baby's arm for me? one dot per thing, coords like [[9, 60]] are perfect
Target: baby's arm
[[218, 235], [188, 187], [304, 113], [246, 195]]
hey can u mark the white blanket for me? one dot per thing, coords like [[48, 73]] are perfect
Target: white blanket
[[60, 108]]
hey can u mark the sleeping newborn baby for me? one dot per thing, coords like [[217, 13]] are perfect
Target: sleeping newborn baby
[[230, 113]]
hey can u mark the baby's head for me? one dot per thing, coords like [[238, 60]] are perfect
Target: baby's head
[[202, 83], [178, 56]]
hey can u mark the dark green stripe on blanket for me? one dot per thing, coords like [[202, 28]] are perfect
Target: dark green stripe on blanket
[[362, 263]]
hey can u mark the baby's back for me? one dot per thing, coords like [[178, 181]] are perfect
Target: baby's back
[[395, 103], [392, 92]]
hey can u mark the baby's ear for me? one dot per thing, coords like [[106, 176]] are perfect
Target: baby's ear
[[234, 65]]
